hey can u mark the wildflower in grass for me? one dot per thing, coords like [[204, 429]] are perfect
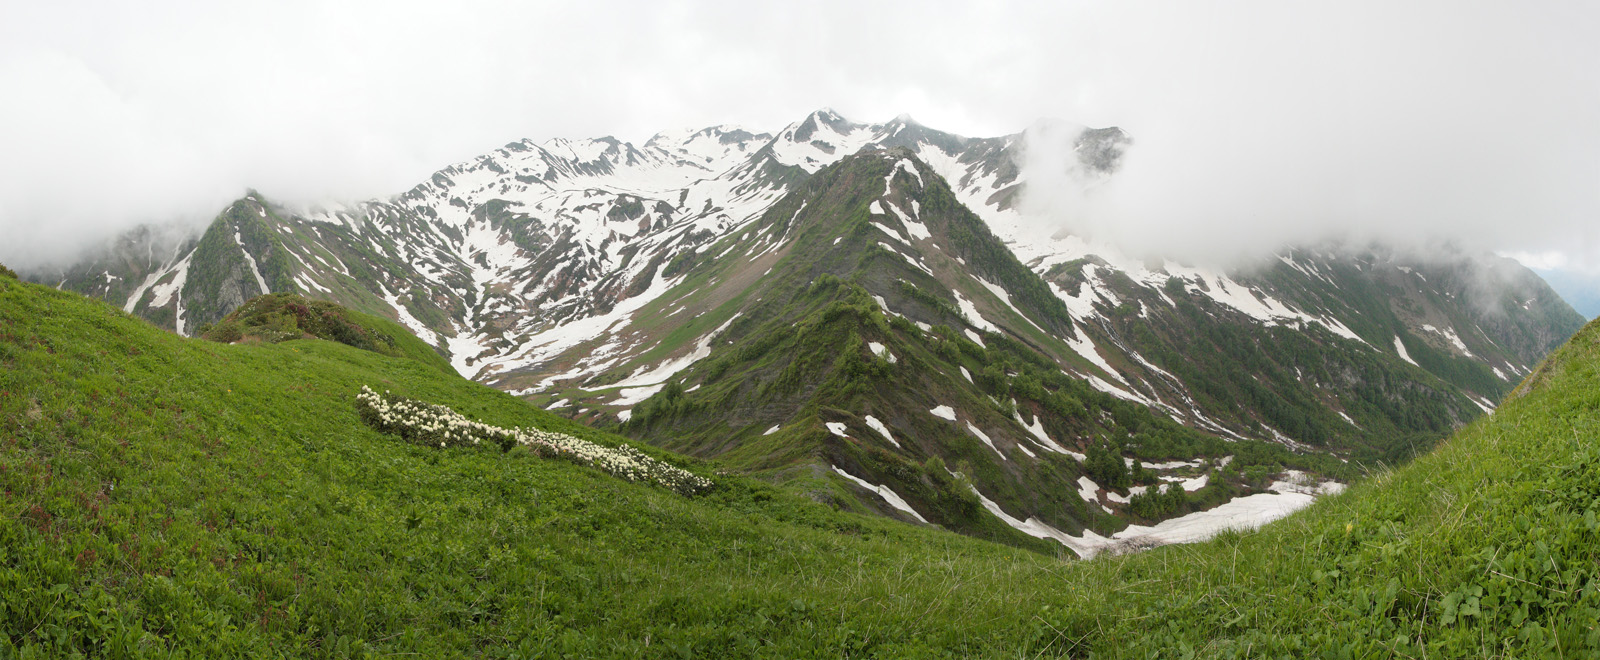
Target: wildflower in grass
[[425, 424]]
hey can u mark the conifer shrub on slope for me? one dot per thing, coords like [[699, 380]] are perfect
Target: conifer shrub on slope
[[178, 498]]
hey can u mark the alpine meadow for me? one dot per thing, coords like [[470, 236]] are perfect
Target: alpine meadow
[[1272, 349]]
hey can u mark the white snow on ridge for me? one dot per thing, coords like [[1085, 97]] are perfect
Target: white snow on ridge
[[1300, 482], [809, 157], [882, 351], [1450, 334], [879, 426], [1084, 346], [1088, 490], [1400, 348], [1085, 546], [1170, 465], [1037, 429], [406, 319], [970, 311], [163, 293], [894, 499], [985, 438], [890, 231], [910, 168], [635, 395], [668, 368], [944, 412], [915, 228], [1006, 298], [837, 428], [1241, 513], [305, 281], [149, 280], [557, 339], [260, 281]]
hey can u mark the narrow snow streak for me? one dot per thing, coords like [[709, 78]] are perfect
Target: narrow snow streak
[[879, 426], [884, 492], [985, 438], [1401, 349]]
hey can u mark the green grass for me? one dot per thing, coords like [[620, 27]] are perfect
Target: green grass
[[282, 316], [166, 497]]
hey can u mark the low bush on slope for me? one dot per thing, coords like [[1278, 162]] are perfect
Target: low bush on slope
[[279, 317], [177, 498]]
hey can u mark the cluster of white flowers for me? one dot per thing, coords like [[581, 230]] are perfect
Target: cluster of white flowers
[[432, 425]]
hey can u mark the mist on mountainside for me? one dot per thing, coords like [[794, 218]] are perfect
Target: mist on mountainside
[[1579, 289], [1359, 124]]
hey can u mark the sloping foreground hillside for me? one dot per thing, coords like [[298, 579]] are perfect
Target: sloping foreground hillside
[[166, 497]]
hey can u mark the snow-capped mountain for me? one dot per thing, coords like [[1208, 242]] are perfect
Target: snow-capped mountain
[[693, 288]]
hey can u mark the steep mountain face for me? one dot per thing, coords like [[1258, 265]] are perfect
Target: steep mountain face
[[862, 309]]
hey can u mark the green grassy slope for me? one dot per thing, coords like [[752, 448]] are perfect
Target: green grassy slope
[[282, 316], [180, 498]]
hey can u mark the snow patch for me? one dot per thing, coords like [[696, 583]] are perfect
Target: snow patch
[[985, 438], [634, 395], [882, 351], [876, 425], [1242, 513], [1450, 334], [1088, 490], [970, 311], [1037, 429], [1006, 298], [837, 428], [1301, 482], [1085, 546], [945, 412], [409, 321], [260, 281], [894, 500], [1400, 348], [668, 368], [1084, 346]]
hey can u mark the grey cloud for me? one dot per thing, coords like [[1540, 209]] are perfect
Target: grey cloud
[[1404, 122], [1254, 121]]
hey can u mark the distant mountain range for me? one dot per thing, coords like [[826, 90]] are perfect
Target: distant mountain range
[[860, 311], [1580, 290]]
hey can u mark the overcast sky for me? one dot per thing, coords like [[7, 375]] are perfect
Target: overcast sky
[[1256, 122]]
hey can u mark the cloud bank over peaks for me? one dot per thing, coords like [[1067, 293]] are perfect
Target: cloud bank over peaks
[[1409, 124]]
